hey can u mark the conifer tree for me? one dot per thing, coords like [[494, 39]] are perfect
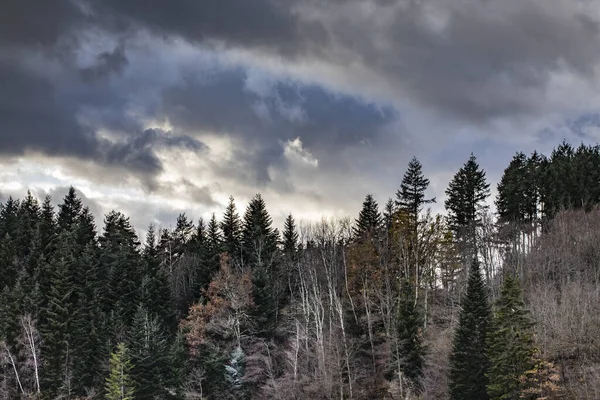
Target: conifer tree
[[511, 347], [120, 258], [409, 321], [47, 226], [87, 330], [411, 196], [290, 238], [59, 314], [149, 354], [259, 239], [231, 226], [467, 193], [369, 221], [468, 361], [69, 210], [28, 216], [182, 235], [155, 293], [260, 254], [510, 199], [119, 385]]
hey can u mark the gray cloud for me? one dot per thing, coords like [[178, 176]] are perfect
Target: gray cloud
[[107, 63]]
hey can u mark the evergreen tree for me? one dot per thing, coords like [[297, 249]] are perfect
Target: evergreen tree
[[259, 239], [290, 238], [59, 314], [47, 227], [206, 266], [149, 354], [28, 216], [87, 330], [182, 235], [260, 254], [411, 351], [467, 193], [369, 221], [155, 293], [231, 226], [119, 385], [511, 347], [120, 259], [411, 196], [69, 210], [468, 361], [510, 201]]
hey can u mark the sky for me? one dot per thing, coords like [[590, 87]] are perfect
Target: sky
[[155, 108]]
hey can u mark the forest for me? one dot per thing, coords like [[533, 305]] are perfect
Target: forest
[[394, 303]]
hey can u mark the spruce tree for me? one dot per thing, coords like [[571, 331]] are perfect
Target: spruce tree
[[59, 315], [466, 195], [369, 221], [121, 260], [231, 226], [290, 238], [511, 189], [511, 347], [409, 321], [119, 385], [468, 360], [260, 254], [47, 226], [411, 196], [155, 293], [69, 210], [149, 354]]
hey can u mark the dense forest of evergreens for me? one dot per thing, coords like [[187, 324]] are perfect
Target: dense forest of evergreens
[[396, 304]]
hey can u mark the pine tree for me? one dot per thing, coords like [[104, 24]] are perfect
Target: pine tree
[[369, 221], [290, 238], [411, 196], [511, 189], [467, 193], [69, 210], [468, 361], [409, 320], [511, 347], [182, 235], [149, 354], [119, 385], [28, 216], [87, 330], [47, 227], [59, 314], [120, 258], [260, 253], [155, 293], [231, 226]]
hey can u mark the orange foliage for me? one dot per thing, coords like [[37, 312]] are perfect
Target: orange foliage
[[228, 295]]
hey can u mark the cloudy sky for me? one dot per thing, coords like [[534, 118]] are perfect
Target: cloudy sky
[[160, 107]]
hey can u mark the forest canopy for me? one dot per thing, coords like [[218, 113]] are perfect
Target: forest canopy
[[397, 303]]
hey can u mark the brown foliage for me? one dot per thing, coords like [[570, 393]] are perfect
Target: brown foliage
[[227, 298]]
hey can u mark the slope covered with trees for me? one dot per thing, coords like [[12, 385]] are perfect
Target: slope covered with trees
[[396, 304]]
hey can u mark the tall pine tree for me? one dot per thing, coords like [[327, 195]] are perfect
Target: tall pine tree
[[468, 361], [511, 347], [466, 195]]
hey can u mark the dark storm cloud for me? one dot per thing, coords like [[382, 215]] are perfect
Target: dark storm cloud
[[37, 23], [106, 63], [262, 23], [33, 117], [222, 104]]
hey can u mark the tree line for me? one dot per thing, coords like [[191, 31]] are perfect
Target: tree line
[[398, 303]]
